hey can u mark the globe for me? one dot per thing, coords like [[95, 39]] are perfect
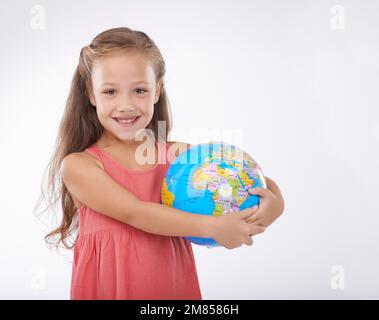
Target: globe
[[212, 179]]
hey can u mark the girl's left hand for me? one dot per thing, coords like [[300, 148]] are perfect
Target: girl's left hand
[[271, 205]]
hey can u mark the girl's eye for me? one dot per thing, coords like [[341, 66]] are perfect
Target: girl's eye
[[109, 92], [141, 90]]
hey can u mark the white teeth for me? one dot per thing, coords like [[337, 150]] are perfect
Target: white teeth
[[127, 120]]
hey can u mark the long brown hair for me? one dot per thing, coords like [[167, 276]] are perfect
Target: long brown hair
[[80, 128]]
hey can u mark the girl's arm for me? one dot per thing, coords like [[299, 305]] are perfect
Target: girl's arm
[[92, 186]]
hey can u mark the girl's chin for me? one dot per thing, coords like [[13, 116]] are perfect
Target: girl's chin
[[136, 134]]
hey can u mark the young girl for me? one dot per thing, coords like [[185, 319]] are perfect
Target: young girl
[[129, 245]]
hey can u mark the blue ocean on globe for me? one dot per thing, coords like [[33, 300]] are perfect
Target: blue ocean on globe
[[212, 179]]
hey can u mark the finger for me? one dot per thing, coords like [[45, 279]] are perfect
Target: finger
[[247, 212], [251, 219], [249, 241], [259, 191], [254, 219], [256, 229]]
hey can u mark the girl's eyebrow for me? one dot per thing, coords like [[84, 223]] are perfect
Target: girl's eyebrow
[[141, 82], [112, 84]]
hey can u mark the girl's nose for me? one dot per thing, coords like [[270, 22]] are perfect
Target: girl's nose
[[127, 102], [123, 108]]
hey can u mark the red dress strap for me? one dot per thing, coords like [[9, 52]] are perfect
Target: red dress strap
[[94, 151]]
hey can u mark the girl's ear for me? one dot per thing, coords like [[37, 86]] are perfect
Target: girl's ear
[[91, 98], [158, 91]]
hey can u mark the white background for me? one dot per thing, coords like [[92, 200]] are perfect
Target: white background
[[297, 81]]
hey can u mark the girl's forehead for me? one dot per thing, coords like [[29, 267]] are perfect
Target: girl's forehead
[[133, 67]]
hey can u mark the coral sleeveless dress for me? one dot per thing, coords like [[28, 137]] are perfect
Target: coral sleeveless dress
[[114, 260]]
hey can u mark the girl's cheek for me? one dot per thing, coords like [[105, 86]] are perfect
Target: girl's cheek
[[105, 107]]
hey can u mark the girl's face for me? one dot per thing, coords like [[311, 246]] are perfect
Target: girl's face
[[124, 94]]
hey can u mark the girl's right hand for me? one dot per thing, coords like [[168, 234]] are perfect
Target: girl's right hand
[[231, 230]]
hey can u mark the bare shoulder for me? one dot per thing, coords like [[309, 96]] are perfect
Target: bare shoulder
[[178, 147], [77, 161]]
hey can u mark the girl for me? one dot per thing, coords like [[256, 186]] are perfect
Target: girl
[[129, 245]]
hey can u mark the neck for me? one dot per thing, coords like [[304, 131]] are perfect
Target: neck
[[107, 141]]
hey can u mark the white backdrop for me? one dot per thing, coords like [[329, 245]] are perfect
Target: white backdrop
[[295, 83]]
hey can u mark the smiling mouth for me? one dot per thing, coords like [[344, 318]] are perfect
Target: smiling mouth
[[127, 121]]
